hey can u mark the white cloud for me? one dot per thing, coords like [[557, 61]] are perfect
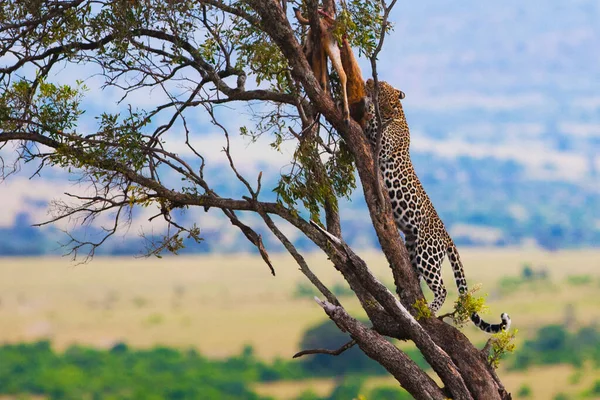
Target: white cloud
[[580, 129], [478, 234], [475, 101], [518, 211], [32, 196], [532, 154], [590, 103], [247, 155]]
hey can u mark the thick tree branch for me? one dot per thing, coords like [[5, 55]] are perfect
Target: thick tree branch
[[411, 377], [434, 355]]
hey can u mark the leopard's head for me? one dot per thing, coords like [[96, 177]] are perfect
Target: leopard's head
[[389, 99]]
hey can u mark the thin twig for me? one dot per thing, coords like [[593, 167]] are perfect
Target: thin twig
[[336, 352], [289, 246], [451, 314]]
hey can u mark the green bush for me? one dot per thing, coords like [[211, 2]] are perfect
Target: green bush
[[389, 393], [594, 391], [524, 391], [327, 335], [348, 389], [527, 272], [304, 290], [167, 373], [341, 289], [510, 284], [122, 373], [553, 344], [308, 395], [561, 396]]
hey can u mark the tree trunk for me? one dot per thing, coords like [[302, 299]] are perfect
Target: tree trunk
[[462, 367]]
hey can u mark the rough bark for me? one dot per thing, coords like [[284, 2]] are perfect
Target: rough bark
[[410, 376]]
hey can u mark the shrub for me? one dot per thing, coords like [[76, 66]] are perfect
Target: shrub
[[327, 335], [594, 391], [348, 389], [389, 393], [553, 344], [304, 290], [510, 284], [308, 395], [123, 373], [527, 272], [561, 396], [524, 391], [341, 290]]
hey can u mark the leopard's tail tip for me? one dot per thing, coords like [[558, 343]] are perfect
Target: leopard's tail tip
[[504, 325]]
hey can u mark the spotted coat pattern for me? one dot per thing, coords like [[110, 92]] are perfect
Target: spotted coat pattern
[[427, 239]]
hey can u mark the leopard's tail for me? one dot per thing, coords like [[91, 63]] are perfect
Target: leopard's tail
[[492, 328], [461, 283]]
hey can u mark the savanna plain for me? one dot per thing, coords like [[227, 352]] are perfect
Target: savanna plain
[[220, 304]]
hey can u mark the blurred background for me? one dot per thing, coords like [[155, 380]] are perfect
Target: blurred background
[[503, 101]]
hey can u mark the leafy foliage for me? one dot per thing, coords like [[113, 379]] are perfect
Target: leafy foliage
[[594, 391], [423, 310], [389, 393], [55, 108], [361, 21], [502, 343], [466, 305]]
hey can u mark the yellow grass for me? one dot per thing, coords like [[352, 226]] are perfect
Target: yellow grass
[[220, 303]]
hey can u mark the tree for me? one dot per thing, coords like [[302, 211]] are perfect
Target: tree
[[198, 55]]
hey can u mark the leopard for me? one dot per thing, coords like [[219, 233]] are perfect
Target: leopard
[[426, 238]]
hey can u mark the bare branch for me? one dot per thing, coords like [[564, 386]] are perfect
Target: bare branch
[[294, 252], [252, 236], [335, 352]]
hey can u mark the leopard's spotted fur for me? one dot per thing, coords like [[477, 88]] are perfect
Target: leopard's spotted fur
[[427, 240]]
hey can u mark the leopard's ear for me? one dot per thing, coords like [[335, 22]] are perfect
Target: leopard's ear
[[401, 94]]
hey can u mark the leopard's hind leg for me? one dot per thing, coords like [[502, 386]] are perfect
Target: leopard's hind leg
[[428, 262]]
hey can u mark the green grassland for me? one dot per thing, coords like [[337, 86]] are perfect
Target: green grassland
[[218, 304]]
